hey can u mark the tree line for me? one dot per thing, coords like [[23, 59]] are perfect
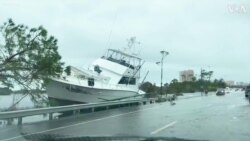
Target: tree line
[[176, 87]]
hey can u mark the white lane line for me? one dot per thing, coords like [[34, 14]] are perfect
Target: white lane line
[[81, 123], [164, 127]]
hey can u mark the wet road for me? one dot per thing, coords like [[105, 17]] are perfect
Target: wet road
[[199, 117]]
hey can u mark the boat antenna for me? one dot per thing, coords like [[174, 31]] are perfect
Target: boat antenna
[[111, 30], [131, 45]]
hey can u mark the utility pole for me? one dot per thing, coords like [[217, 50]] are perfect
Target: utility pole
[[164, 54], [202, 78]]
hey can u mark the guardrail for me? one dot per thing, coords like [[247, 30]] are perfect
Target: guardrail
[[75, 108]]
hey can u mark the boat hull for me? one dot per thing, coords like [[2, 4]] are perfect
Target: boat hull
[[65, 91]]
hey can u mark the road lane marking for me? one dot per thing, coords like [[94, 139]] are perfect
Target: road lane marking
[[164, 127], [81, 123]]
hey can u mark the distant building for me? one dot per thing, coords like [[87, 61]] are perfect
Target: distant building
[[241, 84], [229, 83], [186, 75]]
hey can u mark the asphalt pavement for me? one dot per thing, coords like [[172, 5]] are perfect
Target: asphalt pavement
[[196, 117]]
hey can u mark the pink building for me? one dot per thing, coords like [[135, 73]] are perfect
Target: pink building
[[186, 75]]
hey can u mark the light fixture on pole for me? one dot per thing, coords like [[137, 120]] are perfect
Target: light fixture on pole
[[164, 54]]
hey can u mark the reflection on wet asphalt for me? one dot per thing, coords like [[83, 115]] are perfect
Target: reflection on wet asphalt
[[197, 118]]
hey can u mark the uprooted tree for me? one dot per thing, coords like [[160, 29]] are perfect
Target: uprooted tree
[[28, 56]]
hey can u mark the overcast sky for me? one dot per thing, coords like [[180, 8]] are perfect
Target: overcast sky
[[209, 34]]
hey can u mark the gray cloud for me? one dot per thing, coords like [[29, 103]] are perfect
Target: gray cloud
[[197, 33]]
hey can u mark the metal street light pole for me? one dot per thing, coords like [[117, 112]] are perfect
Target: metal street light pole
[[163, 53], [201, 87]]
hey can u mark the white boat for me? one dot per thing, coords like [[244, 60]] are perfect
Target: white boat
[[114, 76]]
